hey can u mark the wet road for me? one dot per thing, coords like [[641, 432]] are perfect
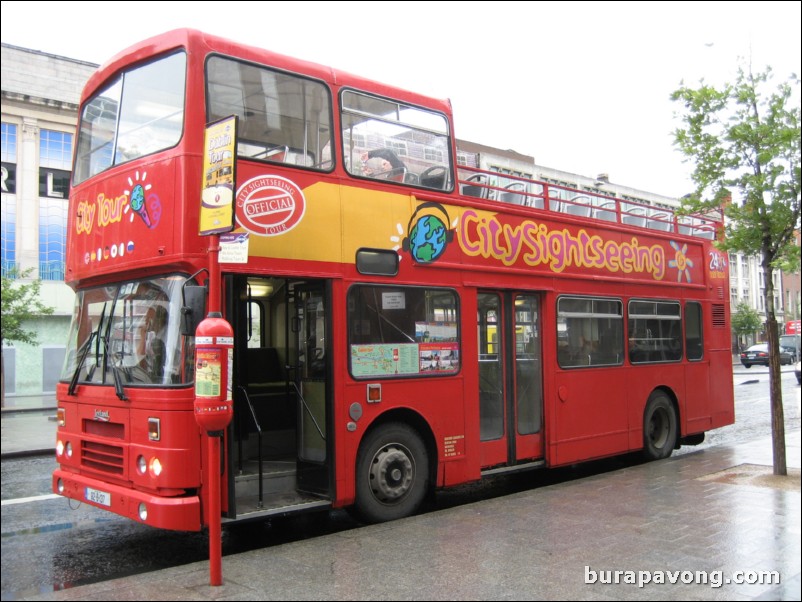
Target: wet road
[[48, 545]]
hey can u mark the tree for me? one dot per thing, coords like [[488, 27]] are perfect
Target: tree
[[20, 303], [745, 321], [746, 137]]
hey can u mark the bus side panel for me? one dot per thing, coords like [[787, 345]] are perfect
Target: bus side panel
[[695, 411], [722, 398], [589, 414]]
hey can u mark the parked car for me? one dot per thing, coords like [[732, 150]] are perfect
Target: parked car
[[792, 343], [798, 375], [759, 355]]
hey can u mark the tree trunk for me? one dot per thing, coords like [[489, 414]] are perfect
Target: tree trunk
[[775, 382]]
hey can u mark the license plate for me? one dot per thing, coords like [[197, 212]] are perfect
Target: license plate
[[97, 497]]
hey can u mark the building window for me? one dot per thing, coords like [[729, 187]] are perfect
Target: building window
[[55, 156], [55, 153], [8, 155], [399, 148], [52, 238], [8, 214], [8, 152], [433, 154], [8, 210], [55, 149]]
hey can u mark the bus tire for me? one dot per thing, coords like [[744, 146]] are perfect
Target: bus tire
[[392, 473], [659, 427]]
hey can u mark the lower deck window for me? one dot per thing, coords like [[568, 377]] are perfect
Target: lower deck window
[[655, 331], [589, 332], [402, 331]]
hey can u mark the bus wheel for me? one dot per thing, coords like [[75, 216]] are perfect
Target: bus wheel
[[392, 473], [659, 427]]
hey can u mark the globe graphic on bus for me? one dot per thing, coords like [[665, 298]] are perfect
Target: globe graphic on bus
[[427, 239]]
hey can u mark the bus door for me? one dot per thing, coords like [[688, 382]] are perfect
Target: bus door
[[312, 366], [510, 378]]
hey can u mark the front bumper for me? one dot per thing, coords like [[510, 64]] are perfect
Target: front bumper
[[177, 513]]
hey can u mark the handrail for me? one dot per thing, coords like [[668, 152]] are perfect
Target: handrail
[[308, 410], [492, 186], [259, 442]]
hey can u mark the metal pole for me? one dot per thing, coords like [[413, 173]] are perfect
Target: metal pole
[[215, 528]]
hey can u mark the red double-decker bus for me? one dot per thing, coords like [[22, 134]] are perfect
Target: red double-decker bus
[[401, 323]]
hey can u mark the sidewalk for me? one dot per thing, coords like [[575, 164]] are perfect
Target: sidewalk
[[717, 513], [28, 426]]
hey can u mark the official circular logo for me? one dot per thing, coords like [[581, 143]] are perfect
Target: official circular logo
[[269, 205]]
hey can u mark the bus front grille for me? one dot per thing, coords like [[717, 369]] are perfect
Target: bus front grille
[[102, 457]]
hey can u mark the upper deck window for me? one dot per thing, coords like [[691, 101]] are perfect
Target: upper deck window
[[139, 113], [283, 118], [388, 140]]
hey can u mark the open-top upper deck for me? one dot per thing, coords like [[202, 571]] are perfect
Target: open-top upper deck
[[590, 205]]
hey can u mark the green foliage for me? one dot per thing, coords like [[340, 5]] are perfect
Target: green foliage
[[745, 138], [745, 320], [20, 302]]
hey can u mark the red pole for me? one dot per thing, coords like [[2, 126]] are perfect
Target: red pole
[[215, 528], [214, 340], [214, 274]]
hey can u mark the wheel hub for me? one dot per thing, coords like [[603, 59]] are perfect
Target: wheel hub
[[392, 473]]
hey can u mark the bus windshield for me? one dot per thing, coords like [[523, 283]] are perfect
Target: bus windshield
[[129, 334], [139, 113]]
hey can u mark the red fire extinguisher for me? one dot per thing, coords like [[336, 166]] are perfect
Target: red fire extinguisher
[[214, 353]]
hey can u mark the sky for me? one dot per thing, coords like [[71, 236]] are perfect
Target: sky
[[583, 87]]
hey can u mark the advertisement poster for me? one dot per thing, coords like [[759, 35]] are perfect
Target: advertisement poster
[[439, 357], [208, 372], [217, 188]]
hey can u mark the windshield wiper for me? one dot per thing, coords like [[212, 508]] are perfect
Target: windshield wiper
[[95, 334], [84, 353], [115, 372], [108, 361]]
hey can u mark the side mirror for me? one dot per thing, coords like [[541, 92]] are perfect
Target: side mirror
[[194, 309]]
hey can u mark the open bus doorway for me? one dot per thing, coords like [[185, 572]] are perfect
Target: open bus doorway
[[278, 457]]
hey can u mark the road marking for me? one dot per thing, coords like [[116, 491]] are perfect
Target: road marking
[[25, 500]]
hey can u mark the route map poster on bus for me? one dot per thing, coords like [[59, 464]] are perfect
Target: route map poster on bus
[[437, 352]]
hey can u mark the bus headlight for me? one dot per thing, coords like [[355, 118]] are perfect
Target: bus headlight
[[60, 486], [143, 511], [141, 464], [59, 447], [68, 449], [155, 467]]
